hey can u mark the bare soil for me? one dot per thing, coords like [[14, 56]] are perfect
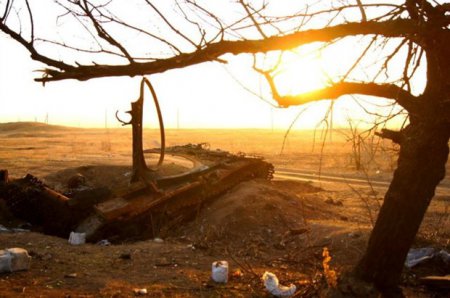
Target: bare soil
[[281, 226]]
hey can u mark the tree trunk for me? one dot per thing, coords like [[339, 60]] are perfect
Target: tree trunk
[[421, 166]]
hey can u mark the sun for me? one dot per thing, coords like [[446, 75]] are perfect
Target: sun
[[300, 72]]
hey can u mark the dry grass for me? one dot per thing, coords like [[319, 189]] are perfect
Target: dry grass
[[42, 149]]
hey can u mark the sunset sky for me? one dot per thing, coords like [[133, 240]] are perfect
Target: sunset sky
[[209, 95]]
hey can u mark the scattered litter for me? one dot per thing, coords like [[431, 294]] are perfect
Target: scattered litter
[[14, 259], [4, 229], [272, 285], [104, 242], [220, 271], [419, 255], [158, 240], [77, 238], [140, 291]]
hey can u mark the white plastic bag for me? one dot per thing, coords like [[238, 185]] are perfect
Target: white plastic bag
[[220, 271], [77, 238], [5, 261], [272, 285], [14, 259]]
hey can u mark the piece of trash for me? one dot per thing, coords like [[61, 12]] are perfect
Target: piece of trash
[[158, 240], [272, 285], [4, 229], [237, 273], [445, 256], [220, 271], [140, 291], [77, 238], [71, 275], [104, 242], [419, 255], [14, 259]]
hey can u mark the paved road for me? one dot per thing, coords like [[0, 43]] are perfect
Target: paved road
[[379, 184]]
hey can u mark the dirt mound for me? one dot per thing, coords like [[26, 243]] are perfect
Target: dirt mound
[[29, 127], [255, 212]]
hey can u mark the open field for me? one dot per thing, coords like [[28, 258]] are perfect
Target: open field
[[251, 226], [44, 147]]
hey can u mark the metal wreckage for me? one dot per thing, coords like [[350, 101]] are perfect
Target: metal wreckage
[[148, 204]]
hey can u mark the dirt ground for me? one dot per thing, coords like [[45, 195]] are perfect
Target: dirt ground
[[281, 226]]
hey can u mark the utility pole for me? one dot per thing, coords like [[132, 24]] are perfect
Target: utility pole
[[178, 118], [331, 121], [271, 118], [106, 118]]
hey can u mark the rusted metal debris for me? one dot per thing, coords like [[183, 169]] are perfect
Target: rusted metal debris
[[139, 210], [140, 169], [146, 207]]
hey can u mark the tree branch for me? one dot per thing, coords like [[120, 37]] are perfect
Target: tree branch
[[102, 32], [361, 9], [211, 52], [35, 54], [393, 135], [391, 91], [252, 18]]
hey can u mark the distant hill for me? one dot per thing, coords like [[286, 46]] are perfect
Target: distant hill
[[30, 127]]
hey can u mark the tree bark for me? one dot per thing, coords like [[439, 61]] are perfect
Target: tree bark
[[421, 166]]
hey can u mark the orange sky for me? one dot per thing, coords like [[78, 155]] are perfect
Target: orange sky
[[201, 96]]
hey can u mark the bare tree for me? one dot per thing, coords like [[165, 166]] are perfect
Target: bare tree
[[188, 32]]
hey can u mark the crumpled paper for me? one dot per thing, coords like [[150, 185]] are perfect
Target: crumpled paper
[[419, 255], [273, 286]]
